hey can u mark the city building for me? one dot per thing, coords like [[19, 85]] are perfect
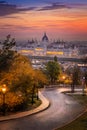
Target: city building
[[47, 47]]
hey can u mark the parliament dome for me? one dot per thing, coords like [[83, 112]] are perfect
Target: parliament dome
[[45, 38]]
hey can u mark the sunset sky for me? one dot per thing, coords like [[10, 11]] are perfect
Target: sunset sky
[[61, 19]]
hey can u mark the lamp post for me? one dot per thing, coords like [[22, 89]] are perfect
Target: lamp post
[[37, 92], [4, 89], [83, 83]]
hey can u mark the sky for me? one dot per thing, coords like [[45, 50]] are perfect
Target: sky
[[60, 19]]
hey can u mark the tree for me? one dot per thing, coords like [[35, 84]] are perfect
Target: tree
[[55, 58], [17, 73], [52, 71], [15, 69], [85, 75], [6, 54], [23, 72], [8, 44], [39, 79], [85, 59], [75, 76]]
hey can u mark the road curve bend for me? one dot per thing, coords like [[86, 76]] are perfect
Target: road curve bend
[[62, 110]]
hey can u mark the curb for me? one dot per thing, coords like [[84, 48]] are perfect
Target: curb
[[45, 104]]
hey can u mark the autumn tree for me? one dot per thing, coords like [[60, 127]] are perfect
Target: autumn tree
[[18, 74], [15, 70], [38, 81], [22, 72]]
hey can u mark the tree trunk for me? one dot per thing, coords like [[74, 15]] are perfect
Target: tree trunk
[[33, 90], [72, 88]]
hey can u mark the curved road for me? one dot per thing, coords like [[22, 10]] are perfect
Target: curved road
[[62, 110]]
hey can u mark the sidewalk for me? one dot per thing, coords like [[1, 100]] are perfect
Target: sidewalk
[[45, 104], [76, 91]]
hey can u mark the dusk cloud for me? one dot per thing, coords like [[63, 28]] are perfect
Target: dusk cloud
[[7, 9], [54, 6], [17, 27], [61, 5]]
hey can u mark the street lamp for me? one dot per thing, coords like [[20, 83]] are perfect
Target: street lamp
[[4, 89]]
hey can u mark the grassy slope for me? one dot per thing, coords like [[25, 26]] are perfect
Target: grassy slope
[[79, 124]]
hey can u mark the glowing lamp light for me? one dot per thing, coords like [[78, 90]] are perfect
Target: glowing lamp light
[[4, 89], [63, 77]]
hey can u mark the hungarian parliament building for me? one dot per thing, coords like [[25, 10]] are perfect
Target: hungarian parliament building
[[46, 47]]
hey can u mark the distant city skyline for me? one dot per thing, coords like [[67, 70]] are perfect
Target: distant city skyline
[[60, 19]]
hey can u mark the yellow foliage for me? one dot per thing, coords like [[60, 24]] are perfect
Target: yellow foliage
[[39, 77], [65, 78], [11, 99], [21, 77]]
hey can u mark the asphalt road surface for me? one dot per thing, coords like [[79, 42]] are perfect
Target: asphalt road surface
[[62, 110]]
